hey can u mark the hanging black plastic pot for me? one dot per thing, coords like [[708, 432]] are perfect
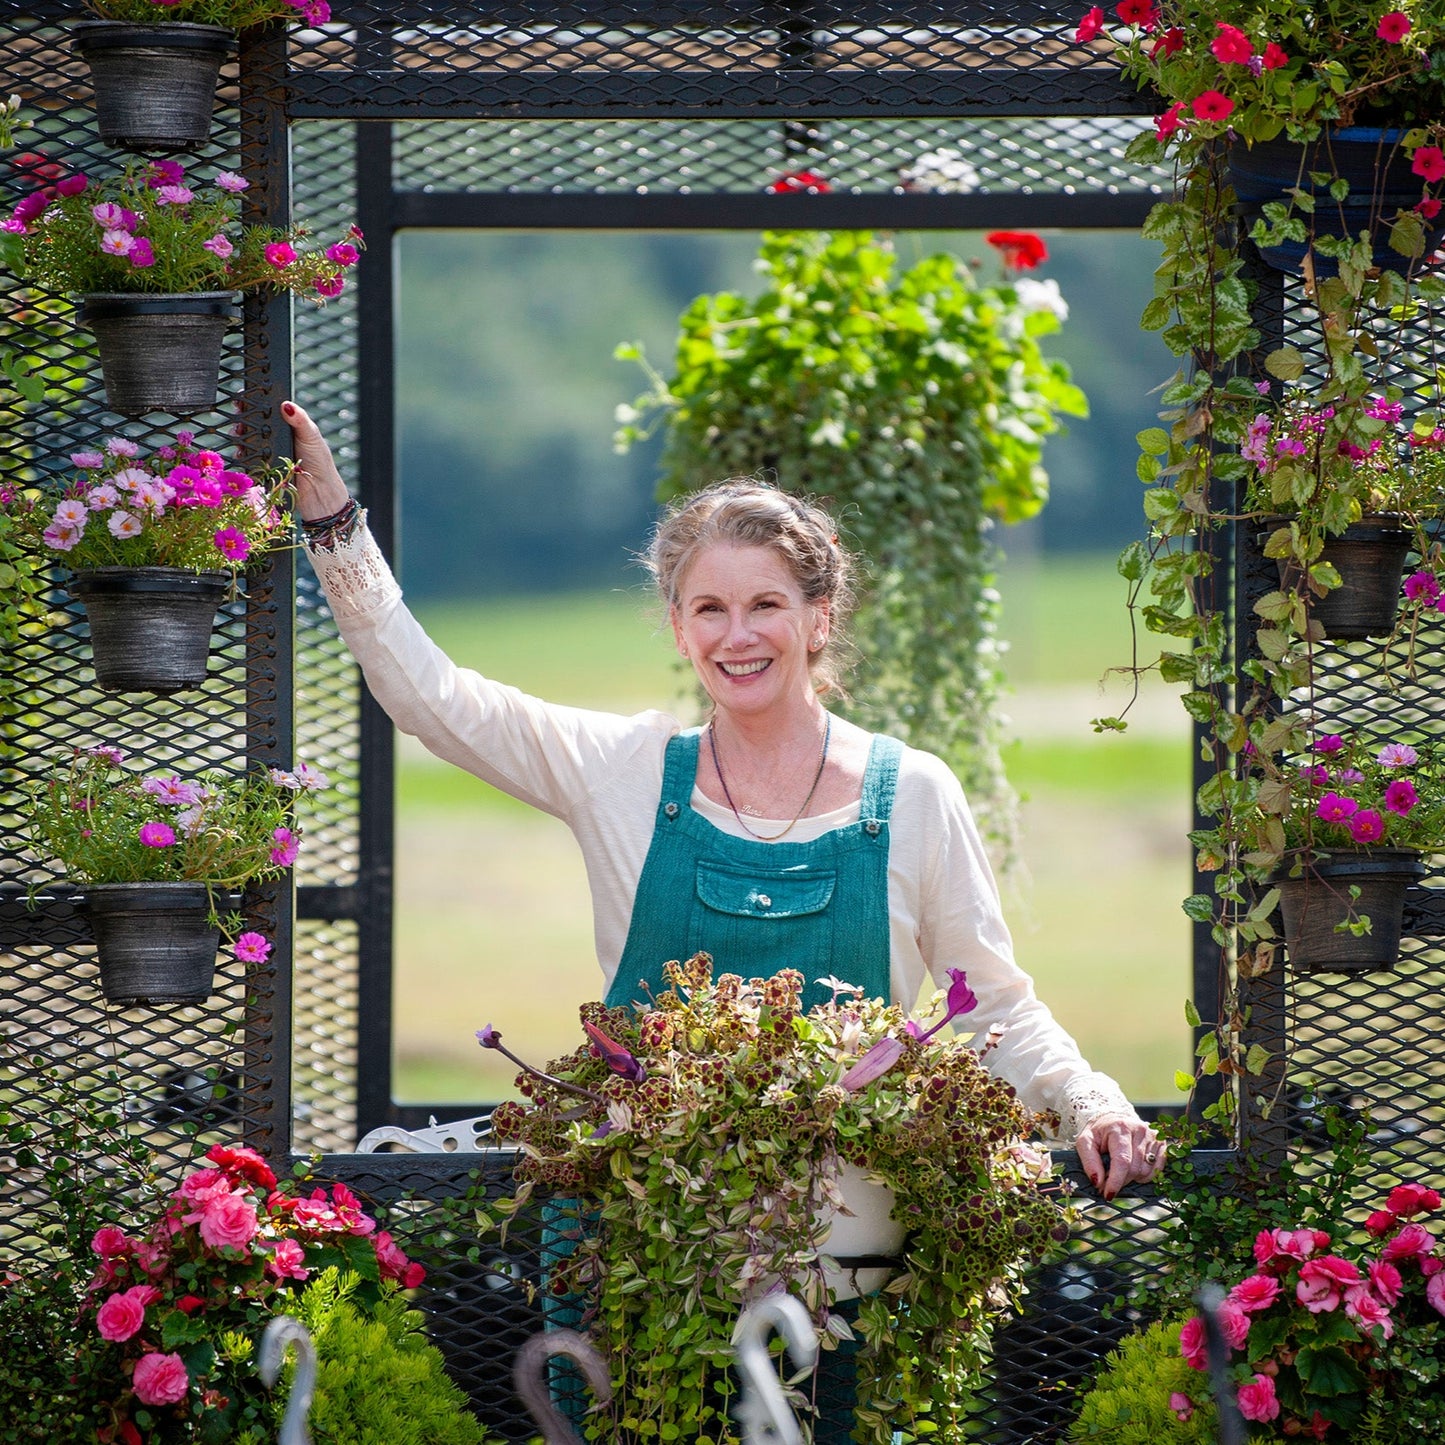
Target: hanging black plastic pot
[[1314, 905], [1381, 183], [155, 85], [150, 627], [153, 941], [1370, 557], [159, 353]]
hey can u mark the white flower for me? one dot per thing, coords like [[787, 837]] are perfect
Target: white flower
[[940, 170], [1041, 296], [828, 434]]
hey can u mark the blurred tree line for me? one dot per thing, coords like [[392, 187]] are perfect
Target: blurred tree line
[[507, 388]]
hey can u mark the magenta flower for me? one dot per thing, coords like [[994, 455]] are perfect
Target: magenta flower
[[1192, 1345], [1401, 796], [1394, 26], [123, 1315], [1330, 743], [1408, 1199], [1315, 774], [1321, 1283], [343, 253], [157, 835], [873, 1065], [1333, 808], [1182, 1405], [1422, 587], [961, 1000], [488, 1037], [232, 544], [252, 948], [172, 790], [110, 754], [283, 855], [71, 185], [141, 255], [618, 1059], [330, 286], [1367, 826], [1255, 1293], [279, 254]]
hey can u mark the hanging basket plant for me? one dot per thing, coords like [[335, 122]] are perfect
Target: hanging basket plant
[[154, 64], [156, 259], [159, 856], [155, 542], [916, 400]]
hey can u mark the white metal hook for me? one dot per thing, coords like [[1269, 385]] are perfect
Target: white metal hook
[[529, 1374], [763, 1409], [283, 1331]]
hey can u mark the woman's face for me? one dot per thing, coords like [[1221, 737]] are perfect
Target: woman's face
[[743, 622]]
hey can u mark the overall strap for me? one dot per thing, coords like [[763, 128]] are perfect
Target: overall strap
[[880, 779], [679, 771]]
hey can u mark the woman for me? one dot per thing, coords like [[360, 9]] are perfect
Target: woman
[[777, 835]]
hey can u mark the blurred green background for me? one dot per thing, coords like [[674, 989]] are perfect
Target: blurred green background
[[517, 529]]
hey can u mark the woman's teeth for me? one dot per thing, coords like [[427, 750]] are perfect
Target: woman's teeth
[[743, 669]]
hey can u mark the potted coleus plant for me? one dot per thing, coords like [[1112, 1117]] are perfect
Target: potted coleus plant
[[155, 63], [717, 1142], [159, 858], [154, 541], [157, 258], [1344, 494], [1338, 832]]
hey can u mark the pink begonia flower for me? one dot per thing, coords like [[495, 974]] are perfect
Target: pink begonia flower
[[232, 544], [349, 1210], [160, 1380], [1429, 163], [1435, 1292], [1397, 755], [87, 461], [394, 1264], [228, 1221], [156, 835], [1182, 1405], [123, 1315], [1367, 826], [287, 1261], [218, 246], [1256, 1293], [1191, 1343], [201, 1185], [1394, 26], [1233, 1325], [230, 181], [279, 254], [124, 524], [1412, 1241], [283, 855], [1367, 1310], [1408, 1199], [110, 1242], [1322, 1282], [1385, 1281], [1272, 1244], [141, 254], [1257, 1399], [252, 948]]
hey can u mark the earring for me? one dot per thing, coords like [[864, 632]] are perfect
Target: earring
[[815, 644], [682, 648]]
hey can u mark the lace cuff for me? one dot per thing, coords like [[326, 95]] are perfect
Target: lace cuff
[[353, 572], [1089, 1097]]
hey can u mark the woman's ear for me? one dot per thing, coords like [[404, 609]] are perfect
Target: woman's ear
[[672, 617]]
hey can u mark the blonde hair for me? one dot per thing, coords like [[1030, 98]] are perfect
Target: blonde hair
[[746, 512]]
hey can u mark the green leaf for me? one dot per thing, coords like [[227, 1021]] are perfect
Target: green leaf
[[1287, 363], [1199, 907], [1191, 1014]]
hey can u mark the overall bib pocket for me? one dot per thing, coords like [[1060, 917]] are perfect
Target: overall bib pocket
[[755, 920]]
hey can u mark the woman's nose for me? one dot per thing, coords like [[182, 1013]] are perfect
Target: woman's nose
[[740, 629]]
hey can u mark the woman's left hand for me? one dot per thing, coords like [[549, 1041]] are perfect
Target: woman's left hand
[[1116, 1149]]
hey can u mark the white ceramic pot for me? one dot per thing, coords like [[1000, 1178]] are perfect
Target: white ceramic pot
[[864, 1229]]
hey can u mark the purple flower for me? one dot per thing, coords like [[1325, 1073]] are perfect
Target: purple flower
[[1385, 410], [330, 286], [164, 173], [873, 1065], [122, 447], [141, 254], [230, 181], [1422, 587], [219, 246], [107, 753], [1367, 826], [172, 790], [283, 855], [1401, 796], [112, 217], [343, 253], [489, 1038], [174, 195], [1397, 755], [279, 254], [87, 461], [232, 544], [616, 1057], [1316, 775], [1330, 743], [157, 835]]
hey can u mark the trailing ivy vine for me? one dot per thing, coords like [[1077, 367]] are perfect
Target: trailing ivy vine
[[916, 400]]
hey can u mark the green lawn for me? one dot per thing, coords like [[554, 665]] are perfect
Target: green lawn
[[493, 917]]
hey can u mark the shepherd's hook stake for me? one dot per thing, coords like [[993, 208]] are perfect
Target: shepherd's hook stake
[[763, 1410], [1231, 1425], [529, 1374], [283, 1331]]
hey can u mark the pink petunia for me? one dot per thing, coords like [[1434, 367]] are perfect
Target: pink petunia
[[156, 835], [252, 948], [1429, 163], [1394, 26]]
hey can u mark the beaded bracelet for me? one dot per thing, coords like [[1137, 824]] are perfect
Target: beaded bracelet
[[328, 533]]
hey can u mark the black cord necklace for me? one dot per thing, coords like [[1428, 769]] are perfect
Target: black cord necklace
[[770, 837]]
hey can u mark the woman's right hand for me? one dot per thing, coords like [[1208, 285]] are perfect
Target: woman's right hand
[[319, 488]]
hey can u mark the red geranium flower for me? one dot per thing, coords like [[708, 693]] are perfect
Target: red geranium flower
[[1022, 250], [806, 182]]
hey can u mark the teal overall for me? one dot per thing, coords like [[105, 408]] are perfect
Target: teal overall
[[820, 907]]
